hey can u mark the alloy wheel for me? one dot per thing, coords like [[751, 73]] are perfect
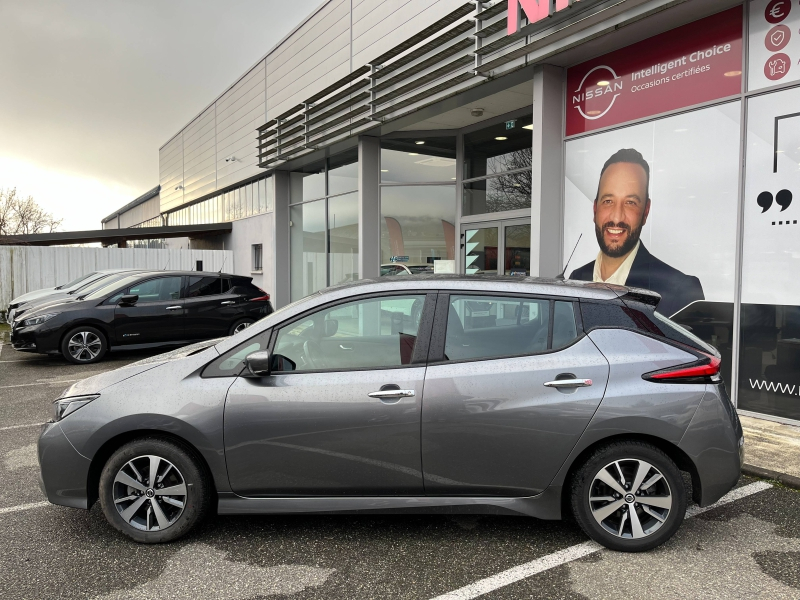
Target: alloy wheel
[[84, 346], [149, 493], [240, 327], [630, 498]]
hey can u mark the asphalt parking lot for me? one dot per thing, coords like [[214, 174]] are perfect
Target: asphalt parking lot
[[748, 547]]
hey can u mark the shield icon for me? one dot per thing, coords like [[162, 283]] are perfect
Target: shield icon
[[777, 37]]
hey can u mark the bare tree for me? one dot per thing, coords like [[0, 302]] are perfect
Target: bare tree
[[21, 216], [512, 190]]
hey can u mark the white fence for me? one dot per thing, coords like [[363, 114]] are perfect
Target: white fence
[[27, 268]]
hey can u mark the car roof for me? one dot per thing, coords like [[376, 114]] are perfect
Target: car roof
[[494, 283]]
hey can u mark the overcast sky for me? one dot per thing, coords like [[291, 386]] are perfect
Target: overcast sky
[[92, 88]]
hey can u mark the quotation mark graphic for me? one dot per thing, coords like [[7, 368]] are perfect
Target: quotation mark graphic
[[782, 199]]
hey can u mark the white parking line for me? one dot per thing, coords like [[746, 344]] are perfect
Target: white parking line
[[20, 507], [5, 387], [562, 557], [20, 426]]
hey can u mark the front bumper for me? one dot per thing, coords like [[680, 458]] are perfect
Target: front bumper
[[64, 473], [37, 338]]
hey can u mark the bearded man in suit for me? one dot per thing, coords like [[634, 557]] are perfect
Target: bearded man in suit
[[621, 208]]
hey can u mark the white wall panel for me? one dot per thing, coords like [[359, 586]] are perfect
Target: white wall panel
[[240, 111], [27, 268], [170, 166], [199, 165], [301, 65], [377, 31]]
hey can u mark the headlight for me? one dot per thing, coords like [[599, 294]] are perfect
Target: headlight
[[37, 320], [66, 406]]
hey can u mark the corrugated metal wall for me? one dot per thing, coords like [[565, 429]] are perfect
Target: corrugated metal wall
[[27, 268], [341, 36]]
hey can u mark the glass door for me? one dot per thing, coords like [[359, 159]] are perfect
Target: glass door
[[480, 247], [498, 247]]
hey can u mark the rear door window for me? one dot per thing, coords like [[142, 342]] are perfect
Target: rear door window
[[203, 286]]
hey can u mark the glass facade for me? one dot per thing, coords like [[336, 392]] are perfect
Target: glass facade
[[246, 201], [418, 200], [497, 167], [323, 219]]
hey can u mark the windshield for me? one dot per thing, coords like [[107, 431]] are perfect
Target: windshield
[[75, 282], [112, 286], [421, 269], [96, 284]]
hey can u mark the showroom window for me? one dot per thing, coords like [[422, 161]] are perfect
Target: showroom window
[[323, 220], [497, 167], [418, 201]]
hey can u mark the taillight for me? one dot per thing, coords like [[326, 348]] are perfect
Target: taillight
[[703, 370], [264, 298]]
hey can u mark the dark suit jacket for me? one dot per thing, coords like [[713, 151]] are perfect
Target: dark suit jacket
[[677, 289]]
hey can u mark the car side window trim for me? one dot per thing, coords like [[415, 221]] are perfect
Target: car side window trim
[[438, 338], [419, 358]]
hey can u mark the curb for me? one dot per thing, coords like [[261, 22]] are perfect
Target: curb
[[788, 480]]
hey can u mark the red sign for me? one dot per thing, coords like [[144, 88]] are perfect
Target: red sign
[[534, 10], [696, 63]]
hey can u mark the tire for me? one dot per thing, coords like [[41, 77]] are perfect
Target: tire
[[84, 345], [139, 510], [658, 510], [240, 325]]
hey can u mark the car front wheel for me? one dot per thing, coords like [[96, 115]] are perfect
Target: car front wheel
[[84, 345], [154, 490], [629, 496]]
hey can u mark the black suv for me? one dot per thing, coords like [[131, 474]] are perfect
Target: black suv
[[142, 310]]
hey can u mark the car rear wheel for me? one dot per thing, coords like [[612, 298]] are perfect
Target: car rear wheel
[[84, 345], [241, 325], [629, 496], [154, 490]]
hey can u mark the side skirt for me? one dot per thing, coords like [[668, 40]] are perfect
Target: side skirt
[[546, 505]]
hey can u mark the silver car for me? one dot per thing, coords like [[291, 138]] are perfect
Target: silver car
[[432, 393]]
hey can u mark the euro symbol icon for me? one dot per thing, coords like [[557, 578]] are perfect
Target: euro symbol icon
[[777, 11]]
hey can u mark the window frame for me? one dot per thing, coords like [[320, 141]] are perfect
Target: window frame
[[421, 347], [439, 334]]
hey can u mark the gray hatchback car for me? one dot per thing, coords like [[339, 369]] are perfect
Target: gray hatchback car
[[424, 394]]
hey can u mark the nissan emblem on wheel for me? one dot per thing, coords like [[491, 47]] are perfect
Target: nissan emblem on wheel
[[396, 394]]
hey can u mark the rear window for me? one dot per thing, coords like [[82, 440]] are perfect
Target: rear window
[[638, 317]]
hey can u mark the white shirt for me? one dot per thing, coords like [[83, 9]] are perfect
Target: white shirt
[[620, 276]]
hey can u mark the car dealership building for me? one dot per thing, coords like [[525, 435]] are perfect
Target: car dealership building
[[499, 137]]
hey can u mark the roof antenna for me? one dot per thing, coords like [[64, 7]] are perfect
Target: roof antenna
[[224, 256], [166, 265], [560, 276]]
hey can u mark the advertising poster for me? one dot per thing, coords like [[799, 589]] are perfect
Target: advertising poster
[[774, 43], [769, 358], [673, 232], [690, 65]]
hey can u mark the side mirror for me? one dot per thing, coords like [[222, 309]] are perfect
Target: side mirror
[[259, 363], [129, 299]]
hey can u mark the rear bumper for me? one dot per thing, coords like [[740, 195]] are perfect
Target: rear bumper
[[63, 472], [715, 443]]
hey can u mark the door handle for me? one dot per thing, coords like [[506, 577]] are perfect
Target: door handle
[[343, 347], [174, 307], [391, 394], [229, 302], [568, 383]]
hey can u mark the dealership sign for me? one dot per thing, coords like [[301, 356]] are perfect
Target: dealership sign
[[696, 63], [534, 10]]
